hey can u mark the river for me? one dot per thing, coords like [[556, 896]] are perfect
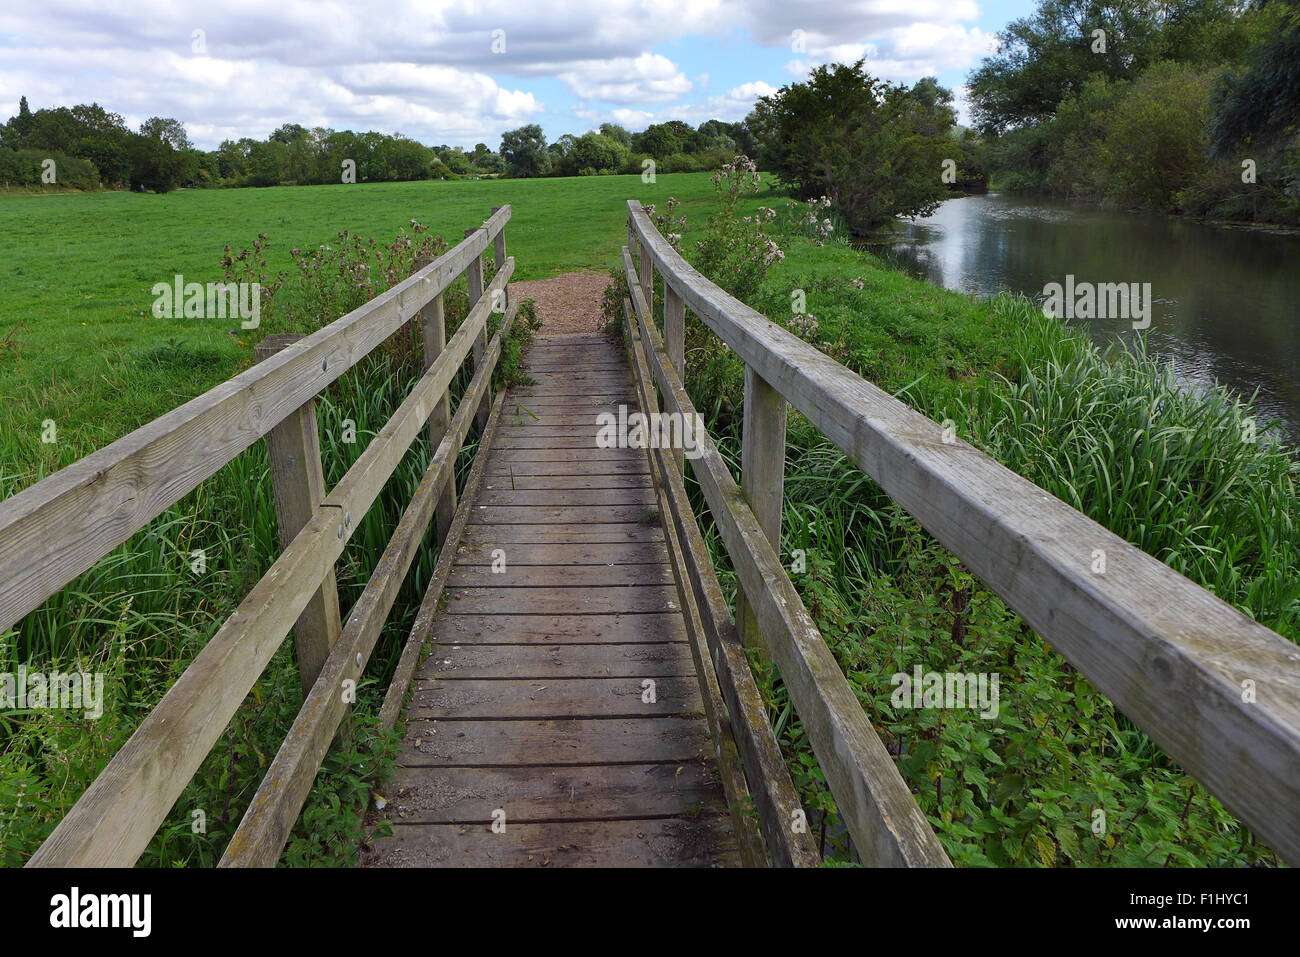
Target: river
[[1226, 300]]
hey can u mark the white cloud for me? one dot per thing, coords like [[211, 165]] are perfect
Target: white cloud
[[427, 67], [649, 78]]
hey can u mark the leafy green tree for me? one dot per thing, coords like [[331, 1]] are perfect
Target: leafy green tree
[[172, 132], [154, 164], [456, 160], [268, 163], [874, 148], [598, 152], [616, 133], [524, 151], [1261, 104], [660, 140], [1045, 57]]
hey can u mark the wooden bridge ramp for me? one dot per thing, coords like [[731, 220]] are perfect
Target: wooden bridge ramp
[[557, 719]]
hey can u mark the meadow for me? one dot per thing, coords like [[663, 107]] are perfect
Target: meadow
[[1110, 434], [75, 302]]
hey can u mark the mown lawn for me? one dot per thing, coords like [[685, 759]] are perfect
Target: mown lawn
[[75, 295]]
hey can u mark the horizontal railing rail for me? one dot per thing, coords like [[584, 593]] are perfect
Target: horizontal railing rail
[[1220, 693], [114, 820]]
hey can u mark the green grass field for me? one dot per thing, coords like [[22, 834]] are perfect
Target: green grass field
[[75, 298]]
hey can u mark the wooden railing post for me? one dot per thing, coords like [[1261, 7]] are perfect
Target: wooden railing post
[[499, 253], [675, 344], [762, 476], [647, 277], [434, 328], [298, 484], [474, 276]]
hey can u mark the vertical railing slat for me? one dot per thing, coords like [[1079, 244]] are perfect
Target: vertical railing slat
[[298, 484], [762, 475]]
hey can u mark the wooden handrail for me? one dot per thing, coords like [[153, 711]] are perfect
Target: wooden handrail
[[721, 660], [879, 811], [1217, 691], [114, 820], [60, 527]]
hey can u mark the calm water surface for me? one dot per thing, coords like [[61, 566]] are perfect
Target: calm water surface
[[1226, 300]]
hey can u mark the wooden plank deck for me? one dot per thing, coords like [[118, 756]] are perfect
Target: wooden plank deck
[[532, 702]]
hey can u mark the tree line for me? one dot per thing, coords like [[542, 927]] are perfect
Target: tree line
[[875, 149], [92, 147], [1183, 106], [672, 147]]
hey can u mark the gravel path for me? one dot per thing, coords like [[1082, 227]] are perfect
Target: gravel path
[[566, 303]]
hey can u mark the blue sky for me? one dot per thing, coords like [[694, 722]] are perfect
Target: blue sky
[[461, 71]]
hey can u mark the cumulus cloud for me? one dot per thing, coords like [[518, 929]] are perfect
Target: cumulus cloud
[[649, 78], [456, 71]]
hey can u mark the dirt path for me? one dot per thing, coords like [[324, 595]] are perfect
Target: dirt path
[[566, 303]]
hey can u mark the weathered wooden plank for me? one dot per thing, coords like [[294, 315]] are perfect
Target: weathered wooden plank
[[608, 399], [534, 795], [595, 458], [620, 627], [1165, 651], [558, 514], [553, 741], [542, 483], [562, 365], [580, 423], [580, 442], [567, 554], [670, 842], [606, 469], [556, 698], [58, 528], [422, 627], [603, 533], [560, 600], [587, 428], [636, 660], [553, 576], [562, 393]]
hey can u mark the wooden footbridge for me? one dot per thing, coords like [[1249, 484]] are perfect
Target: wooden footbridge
[[575, 689]]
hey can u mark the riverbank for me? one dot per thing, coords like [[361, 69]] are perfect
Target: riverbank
[[1182, 476]]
